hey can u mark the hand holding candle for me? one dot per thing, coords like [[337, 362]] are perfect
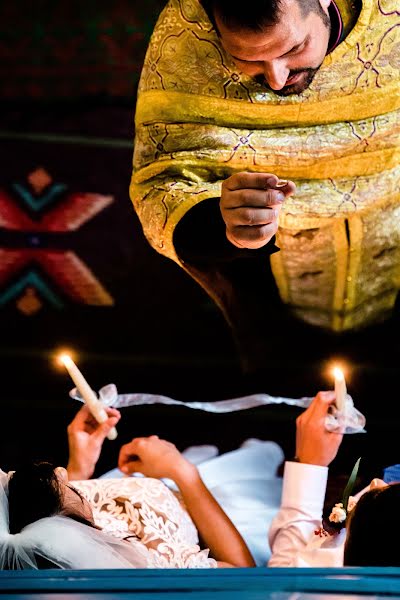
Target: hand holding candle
[[340, 389], [87, 394]]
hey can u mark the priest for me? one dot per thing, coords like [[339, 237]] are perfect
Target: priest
[[266, 157]]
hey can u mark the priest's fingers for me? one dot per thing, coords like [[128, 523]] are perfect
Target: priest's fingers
[[252, 237], [246, 197], [245, 216], [284, 185], [248, 180]]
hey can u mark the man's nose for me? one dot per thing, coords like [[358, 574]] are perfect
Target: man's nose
[[276, 74]]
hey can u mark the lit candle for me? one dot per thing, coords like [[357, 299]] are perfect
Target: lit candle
[[340, 388], [87, 394]]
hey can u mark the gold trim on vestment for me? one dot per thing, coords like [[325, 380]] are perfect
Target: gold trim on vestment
[[161, 106]]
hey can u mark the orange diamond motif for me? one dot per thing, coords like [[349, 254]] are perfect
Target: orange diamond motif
[[39, 179]]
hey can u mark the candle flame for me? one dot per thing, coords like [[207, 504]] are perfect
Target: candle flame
[[338, 373], [65, 359]]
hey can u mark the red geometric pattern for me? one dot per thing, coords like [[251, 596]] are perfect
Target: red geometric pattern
[[65, 268], [31, 275], [72, 213]]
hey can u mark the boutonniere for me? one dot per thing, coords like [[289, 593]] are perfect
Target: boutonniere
[[338, 516]]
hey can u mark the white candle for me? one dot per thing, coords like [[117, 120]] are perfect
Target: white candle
[[87, 394], [340, 388]]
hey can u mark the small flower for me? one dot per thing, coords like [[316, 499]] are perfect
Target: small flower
[[338, 514]]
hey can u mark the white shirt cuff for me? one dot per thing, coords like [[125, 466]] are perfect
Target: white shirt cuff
[[304, 485]]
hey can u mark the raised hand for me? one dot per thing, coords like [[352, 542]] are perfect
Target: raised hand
[[314, 444], [85, 440], [250, 205]]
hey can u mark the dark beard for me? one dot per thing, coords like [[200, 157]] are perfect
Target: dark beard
[[295, 88], [298, 88]]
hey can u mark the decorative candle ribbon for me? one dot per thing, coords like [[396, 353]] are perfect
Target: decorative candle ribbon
[[349, 420]]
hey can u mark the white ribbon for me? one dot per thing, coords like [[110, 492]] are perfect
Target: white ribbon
[[350, 420]]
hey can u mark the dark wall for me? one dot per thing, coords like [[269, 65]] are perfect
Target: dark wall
[[71, 49]]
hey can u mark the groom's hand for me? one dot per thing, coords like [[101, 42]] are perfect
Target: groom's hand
[[314, 444]]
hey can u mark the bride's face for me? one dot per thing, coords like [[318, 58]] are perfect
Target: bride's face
[[73, 502]]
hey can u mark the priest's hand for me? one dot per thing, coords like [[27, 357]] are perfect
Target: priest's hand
[[314, 444], [154, 458], [85, 440], [250, 205]]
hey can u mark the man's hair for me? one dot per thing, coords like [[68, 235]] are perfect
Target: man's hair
[[372, 523], [257, 15]]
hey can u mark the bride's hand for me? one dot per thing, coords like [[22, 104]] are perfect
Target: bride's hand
[[154, 458], [85, 440]]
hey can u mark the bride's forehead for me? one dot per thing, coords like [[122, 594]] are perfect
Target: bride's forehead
[[62, 474]]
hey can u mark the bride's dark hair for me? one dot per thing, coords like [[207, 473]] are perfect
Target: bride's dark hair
[[35, 492], [48, 529]]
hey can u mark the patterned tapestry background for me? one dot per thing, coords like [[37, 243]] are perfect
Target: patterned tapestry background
[[75, 269], [73, 49]]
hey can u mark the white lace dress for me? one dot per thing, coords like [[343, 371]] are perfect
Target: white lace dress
[[145, 510], [243, 481]]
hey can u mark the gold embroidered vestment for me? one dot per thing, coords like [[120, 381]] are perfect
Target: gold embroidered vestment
[[199, 120]]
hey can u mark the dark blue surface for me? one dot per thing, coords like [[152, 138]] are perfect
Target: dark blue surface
[[221, 584], [392, 474]]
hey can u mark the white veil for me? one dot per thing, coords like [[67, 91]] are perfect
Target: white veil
[[64, 542]]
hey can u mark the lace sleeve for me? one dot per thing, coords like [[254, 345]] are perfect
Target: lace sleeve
[[144, 510]]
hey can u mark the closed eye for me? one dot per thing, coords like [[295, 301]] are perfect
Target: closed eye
[[296, 48], [293, 50]]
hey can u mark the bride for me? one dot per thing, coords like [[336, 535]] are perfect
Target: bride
[[60, 517], [243, 481]]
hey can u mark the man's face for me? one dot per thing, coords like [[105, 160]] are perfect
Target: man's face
[[284, 57]]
